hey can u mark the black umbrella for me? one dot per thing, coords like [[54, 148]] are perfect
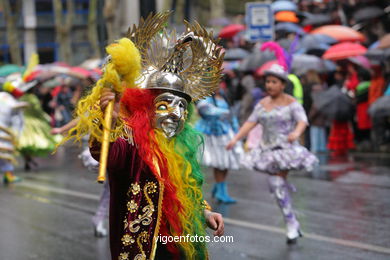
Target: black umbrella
[[317, 19], [368, 13], [334, 104], [378, 54], [380, 108], [255, 60], [302, 63], [236, 54]]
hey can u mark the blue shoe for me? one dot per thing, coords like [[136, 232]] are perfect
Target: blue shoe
[[10, 178], [214, 190], [222, 194]]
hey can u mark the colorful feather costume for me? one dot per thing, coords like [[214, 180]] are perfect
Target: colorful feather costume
[[155, 181]]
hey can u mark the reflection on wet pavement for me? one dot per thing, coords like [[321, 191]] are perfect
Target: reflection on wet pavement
[[343, 208]]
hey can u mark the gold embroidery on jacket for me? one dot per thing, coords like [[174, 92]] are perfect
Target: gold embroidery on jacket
[[146, 218], [127, 240], [142, 238], [124, 256], [157, 229], [134, 188], [132, 206]]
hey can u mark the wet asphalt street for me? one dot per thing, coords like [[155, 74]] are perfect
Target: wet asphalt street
[[343, 207]]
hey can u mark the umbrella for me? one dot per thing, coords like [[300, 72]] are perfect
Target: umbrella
[[79, 72], [378, 54], [283, 5], [311, 40], [374, 45], [266, 66], [302, 63], [317, 19], [9, 69], [91, 64], [230, 65], [329, 65], [236, 54], [255, 60], [340, 33], [51, 83], [384, 42], [316, 44], [334, 104], [381, 107], [42, 76], [286, 44], [289, 27], [231, 30], [367, 13], [361, 61], [286, 16], [344, 50]]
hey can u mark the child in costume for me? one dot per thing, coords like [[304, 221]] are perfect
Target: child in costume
[[153, 171], [12, 121], [283, 120], [35, 139], [11, 125], [219, 126]]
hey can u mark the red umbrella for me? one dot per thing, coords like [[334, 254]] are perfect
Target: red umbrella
[[344, 50], [340, 33], [79, 72], [231, 30], [260, 71]]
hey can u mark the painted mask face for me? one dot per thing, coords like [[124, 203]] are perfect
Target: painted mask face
[[170, 113]]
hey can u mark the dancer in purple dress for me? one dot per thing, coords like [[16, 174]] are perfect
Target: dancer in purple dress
[[283, 120]]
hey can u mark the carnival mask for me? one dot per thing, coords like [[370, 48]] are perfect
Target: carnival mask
[[170, 113]]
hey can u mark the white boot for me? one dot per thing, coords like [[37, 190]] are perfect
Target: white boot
[[99, 230], [280, 189]]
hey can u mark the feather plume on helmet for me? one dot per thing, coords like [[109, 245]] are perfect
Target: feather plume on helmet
[[188, 65]]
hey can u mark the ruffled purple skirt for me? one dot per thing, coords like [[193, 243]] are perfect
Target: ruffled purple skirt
[[282, 158]]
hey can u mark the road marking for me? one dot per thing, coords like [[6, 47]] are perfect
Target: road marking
[[312, 236], [234, 222], [29, 184]]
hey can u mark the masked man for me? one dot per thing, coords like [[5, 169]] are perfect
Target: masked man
[[157, 209]]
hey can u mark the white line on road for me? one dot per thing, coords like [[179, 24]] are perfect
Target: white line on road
[[239, 223], [29, 184], [312, 236]]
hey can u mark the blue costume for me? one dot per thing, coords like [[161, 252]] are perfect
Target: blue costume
[[219, 126]]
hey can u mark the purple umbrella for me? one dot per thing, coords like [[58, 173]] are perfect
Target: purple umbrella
[[283, 5]]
